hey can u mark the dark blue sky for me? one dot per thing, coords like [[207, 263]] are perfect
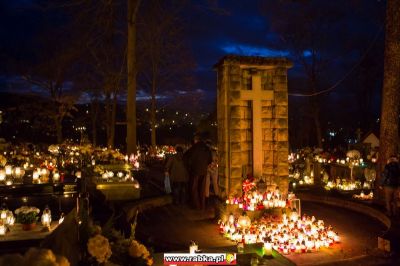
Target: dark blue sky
[[216, 28]]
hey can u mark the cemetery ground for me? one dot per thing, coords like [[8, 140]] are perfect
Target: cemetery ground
[[165, 227], [170, 228]]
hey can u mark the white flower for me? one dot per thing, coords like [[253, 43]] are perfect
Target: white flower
[[99, 247], [26, 210]]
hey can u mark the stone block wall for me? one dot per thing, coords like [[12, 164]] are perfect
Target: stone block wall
[[235, 118]]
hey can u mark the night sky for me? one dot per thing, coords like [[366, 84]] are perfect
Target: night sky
[[353, 44]]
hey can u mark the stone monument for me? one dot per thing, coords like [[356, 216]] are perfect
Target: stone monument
[[252, 103]]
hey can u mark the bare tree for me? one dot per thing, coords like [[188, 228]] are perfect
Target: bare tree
[[389, 131], [165, 59], [133, 7], [52, 75], [313, 33]]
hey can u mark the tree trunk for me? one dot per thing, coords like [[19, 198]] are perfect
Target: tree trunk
[[108, 108], [133, 6], [317, 124], [112, 121], [95, 112], [153, 119], [58, 124], [389, 128]]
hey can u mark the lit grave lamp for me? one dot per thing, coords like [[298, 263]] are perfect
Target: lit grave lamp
[[2, 175], [18, 172], [8, 169], [267, 248], [35, 177], [136, 184], [3, 212], [10, 219], [244, 221], [193, 247], [46, 218], [104, 176], [61, 219], [3, 228], [110, 174], [78, 174], [56, 176]]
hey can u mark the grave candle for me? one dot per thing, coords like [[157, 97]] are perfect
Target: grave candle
[[193, 248], [8, 169], [267, 248], [46, 217], [3, 229], [2, 175]]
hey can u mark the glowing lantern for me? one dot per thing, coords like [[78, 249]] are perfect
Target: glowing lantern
[[3, 213], [136, 184], [231, 219], [244, 221], [46, 217], [35, 176], [2, 175], [294, 216], [18, 173], [104, 176], [61, 219], [193, 248], [267, 248], [78, 174], [8, 169], [3, 229], [56, 177], [10, 219], [44, 172]]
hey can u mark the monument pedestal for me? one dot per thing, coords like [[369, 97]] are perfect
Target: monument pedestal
[[252, 102]]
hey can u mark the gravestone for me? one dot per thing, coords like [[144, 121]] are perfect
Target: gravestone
[[252, 103]]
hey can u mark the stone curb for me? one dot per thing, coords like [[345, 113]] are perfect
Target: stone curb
[[358, 207]]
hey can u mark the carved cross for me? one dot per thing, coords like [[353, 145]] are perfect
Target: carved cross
[[256, 95]]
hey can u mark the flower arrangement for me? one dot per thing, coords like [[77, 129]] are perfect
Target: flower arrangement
[[34, 256], [99, 247], [27, 215], [137, 250]]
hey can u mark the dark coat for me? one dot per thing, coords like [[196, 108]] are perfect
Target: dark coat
[[197, 159], [391, 174], [176, 168]]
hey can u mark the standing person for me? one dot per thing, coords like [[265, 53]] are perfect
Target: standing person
[[178, 174], [212, 176], [197, 159], [391, 183]]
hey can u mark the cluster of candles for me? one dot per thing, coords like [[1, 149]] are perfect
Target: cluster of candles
[[7, 218], [9, 173], [256, 200], [293, 234], [110, 176], [363, 196], [345, 185], [133, 160]]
